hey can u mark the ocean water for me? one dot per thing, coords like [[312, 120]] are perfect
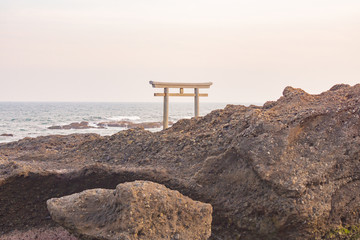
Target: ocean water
[[32, 119]]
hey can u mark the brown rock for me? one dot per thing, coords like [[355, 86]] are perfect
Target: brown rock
[[39, 233], [287, 170], [135, 210], [7, 135], [122, 124], [75, 125], [55, 127]]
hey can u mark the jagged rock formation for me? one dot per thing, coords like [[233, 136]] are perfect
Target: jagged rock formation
[[286, 170], [135, 210]]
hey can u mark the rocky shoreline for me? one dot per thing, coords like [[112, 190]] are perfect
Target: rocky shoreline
[[286, 170], [118, 124]]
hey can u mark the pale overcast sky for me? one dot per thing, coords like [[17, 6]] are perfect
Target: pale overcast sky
[[87, 50]]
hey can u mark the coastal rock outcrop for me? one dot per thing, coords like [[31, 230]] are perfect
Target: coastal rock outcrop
[[74, 125], [7, 135], [135, 210], [286, 170], [119, 124]]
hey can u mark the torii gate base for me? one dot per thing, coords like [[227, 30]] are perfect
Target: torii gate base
[[181, 86]]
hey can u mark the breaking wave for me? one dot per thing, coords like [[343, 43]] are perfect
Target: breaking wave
[[122, 118]]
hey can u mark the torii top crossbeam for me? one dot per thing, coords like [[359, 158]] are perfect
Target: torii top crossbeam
[[181, 86]]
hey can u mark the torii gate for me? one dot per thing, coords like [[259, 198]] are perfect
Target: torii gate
[[181, 86]]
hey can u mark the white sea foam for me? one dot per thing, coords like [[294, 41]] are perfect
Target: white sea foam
[[185, 117], [91, 124], [122, 118]]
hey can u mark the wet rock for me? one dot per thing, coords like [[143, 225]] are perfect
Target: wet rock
[[7, 135], [55, 127], [135, 210], [75, 125]]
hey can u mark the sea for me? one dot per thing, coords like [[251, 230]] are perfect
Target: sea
[[33, 119]]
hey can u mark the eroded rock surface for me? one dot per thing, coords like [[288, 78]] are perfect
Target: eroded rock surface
[[135, 210], [286, 170]]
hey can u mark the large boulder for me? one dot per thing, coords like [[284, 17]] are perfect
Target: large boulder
[[134, 210]]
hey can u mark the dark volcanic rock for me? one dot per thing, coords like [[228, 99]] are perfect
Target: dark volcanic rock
[[39, 233], [75, 125], [135, 210], [7, 135], [287, 170]]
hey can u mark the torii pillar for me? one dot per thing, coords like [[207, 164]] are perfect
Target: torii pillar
[[181, 86]]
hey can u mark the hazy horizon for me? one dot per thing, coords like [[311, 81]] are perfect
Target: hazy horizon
[[91, 51]]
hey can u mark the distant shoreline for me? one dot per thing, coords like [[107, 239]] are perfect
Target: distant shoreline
[[33, 119]]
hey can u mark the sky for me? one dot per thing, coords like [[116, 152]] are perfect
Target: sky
[[108, 51]]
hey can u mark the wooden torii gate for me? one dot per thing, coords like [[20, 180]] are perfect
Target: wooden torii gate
[[181, 86]]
